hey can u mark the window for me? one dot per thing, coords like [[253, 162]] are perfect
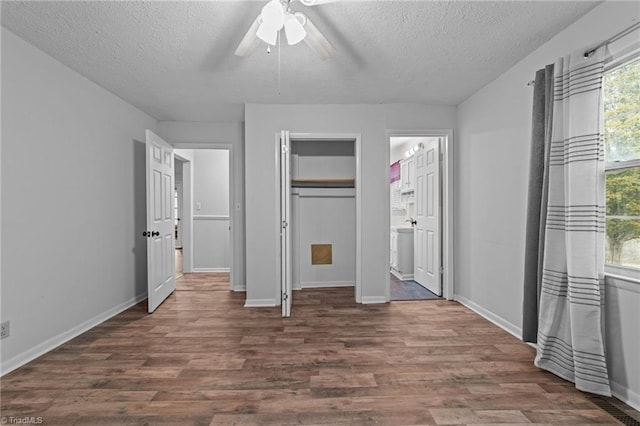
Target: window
[[622, 155]]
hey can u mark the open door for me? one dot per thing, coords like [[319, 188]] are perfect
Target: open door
[[160, 222], [285, 220], [427, 250]]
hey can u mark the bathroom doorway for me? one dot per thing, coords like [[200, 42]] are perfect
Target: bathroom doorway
[[420, 216]]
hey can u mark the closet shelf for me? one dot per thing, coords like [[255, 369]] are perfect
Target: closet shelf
[[322, 183]]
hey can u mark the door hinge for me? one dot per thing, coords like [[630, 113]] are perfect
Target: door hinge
[[442, 269], [285, 296], [285, 224], [284, 148]]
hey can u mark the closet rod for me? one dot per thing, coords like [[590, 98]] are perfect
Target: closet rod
[[616, 37]]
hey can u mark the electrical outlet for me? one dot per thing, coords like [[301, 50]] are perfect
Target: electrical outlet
[[4, 330]]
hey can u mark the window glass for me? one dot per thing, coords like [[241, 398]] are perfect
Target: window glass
[[622, 112], [623, 217], [622, 153]]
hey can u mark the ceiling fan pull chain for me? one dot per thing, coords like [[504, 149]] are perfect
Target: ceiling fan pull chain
[[279, 62]]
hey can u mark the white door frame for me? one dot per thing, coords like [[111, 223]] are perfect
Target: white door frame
[[179, 196], [187, 235], [356, 138], [446, 150]]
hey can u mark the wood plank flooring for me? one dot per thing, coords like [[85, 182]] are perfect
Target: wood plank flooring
[[202, 358], [179, 259]]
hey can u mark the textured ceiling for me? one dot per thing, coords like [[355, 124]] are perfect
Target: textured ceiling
[[174, 60]]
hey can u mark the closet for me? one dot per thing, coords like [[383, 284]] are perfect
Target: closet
[[323, 213], [318, 241]]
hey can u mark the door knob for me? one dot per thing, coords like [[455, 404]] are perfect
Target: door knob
[[146, 234], [155, 233]]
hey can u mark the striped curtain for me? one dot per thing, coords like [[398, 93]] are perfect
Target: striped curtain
[[570, 341]]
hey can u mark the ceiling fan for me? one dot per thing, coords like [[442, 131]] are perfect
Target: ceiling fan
[[278, 14]]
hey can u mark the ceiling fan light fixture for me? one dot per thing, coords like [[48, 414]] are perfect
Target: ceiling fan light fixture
[[267, 34], [273, 15], [293, 28]]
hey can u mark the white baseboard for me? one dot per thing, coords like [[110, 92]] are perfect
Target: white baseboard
[[403, 277], [488, 315], [626, 395], [52, 343], [320, 284], [240, 288], [260, 303], [623, 393], [373, 299], [196, 270]]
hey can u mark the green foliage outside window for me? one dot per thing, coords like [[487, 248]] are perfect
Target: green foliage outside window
[[622, 143]]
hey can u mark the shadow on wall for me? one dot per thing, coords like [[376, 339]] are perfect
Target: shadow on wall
[[140, 215]]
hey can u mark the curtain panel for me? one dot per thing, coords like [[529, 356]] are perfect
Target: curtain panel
[[537, 200], [570, 339]]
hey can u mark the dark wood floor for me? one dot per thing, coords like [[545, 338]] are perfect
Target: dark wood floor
[[203, 359]]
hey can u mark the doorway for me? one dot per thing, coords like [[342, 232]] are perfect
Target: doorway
[[205, 228], [420, 215], [319, 205]]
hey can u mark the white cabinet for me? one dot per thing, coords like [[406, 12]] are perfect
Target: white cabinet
[[402, 253], [407, 174], [394, 249]]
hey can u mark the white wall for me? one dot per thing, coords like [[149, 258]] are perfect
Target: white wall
[[73, 203], [492, 161], [324, 219], [262, 122], [210, 210]]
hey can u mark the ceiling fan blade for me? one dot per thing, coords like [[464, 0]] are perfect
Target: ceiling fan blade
[[317, 2], [316, 41], [250, 41]]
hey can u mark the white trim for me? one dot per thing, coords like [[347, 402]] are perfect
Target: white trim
[[447, 201], [224, 269], [187, 217], [622, 282], [622, 54], [403, 277], [260, 303], [240, 288], [631, 275], [621, 165], [490, 316], [626, 395], [369, 300], [321, 284], [48, 345], [278, 225], [210, 217]]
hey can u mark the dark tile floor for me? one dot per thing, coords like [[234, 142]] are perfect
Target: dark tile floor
[[409, 290]]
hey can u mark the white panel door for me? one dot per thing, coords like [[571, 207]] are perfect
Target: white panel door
[[427, 249], [285, 221], [161, 272]]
